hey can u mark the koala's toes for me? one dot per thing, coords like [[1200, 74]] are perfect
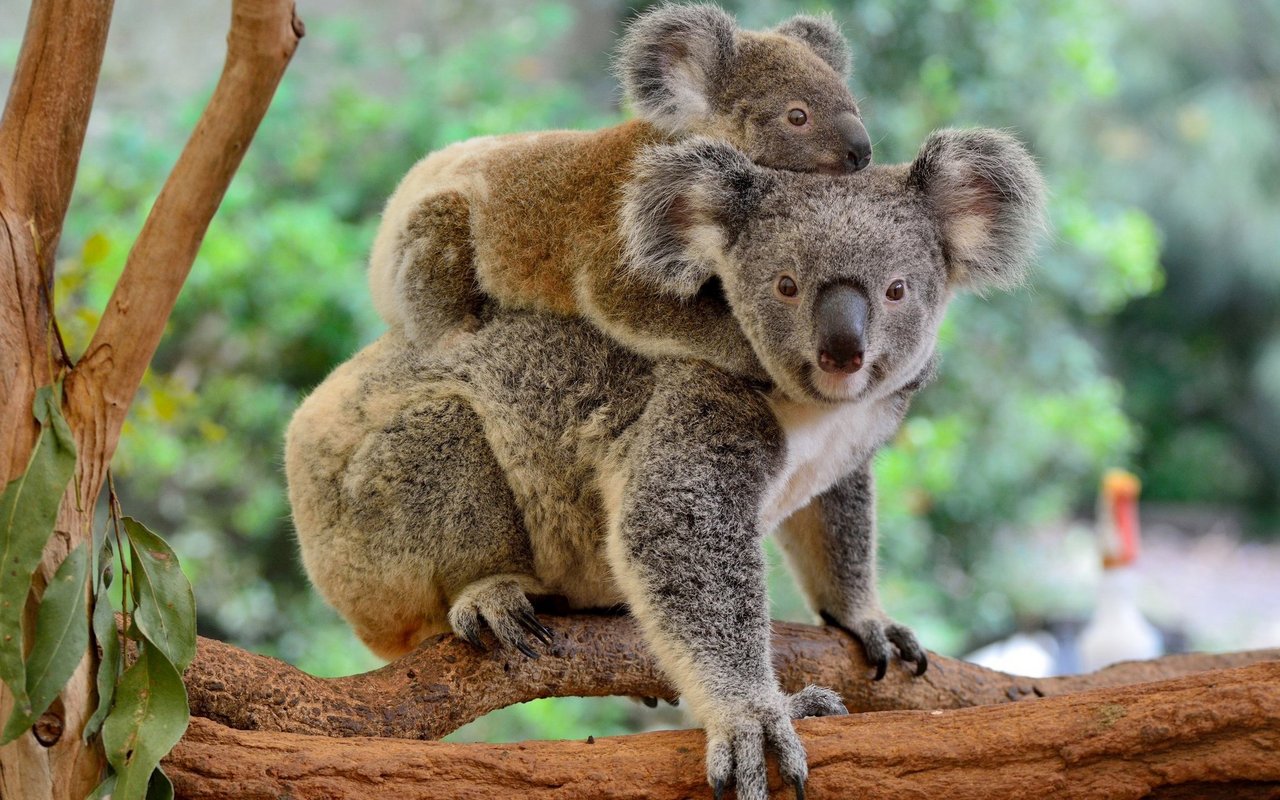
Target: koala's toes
[[503, 606], [908, 647], [815, 701], [782, 739]]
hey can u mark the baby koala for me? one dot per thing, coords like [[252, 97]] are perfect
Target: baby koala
[[437, 490], [531, 220]]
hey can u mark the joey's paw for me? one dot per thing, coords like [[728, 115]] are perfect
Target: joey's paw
[[503, 606], [738, 739], [879, 636]]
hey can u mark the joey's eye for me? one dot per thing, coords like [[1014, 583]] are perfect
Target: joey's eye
[[896, 291], [797, 117], [787, 286]]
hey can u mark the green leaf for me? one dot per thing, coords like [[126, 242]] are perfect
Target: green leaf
[[159, 787], [28, 509], [62, 634], [104, 789], [147, 720], [104, 630], [166, 612]]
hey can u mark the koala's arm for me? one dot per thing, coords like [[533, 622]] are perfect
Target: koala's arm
[[831, 543], [685, 546], [659, 325]]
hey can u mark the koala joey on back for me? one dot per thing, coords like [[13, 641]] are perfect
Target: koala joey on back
[[529, 221], [440, 490]]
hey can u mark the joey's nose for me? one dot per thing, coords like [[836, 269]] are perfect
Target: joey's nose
[[857, 144], [840, 322]]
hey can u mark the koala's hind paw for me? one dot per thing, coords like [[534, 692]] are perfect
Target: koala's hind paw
[[879, 635], [501, 603], [815, 701], [738, 740]]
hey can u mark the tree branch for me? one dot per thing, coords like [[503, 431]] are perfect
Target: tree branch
[[1214, 734], [41, 135], [263, 37], [446, 683]]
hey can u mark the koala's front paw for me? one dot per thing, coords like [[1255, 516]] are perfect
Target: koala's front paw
[[739, 738], [878, 635]]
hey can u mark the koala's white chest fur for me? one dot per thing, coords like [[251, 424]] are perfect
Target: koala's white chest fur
[[823, 444]]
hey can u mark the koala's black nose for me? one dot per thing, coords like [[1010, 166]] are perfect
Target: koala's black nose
[[840, 322], [857, 143]]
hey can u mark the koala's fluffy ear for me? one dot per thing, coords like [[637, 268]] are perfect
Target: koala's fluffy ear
[[823, 36], [684, 207], [988, 197], [671, 60]]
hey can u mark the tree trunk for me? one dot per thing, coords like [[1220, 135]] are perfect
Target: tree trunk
[[41, 135]]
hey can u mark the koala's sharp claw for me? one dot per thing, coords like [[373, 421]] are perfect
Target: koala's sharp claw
[[527, 650], [922, 664], [799, 790], [474, 639], [717, 789], [882, 666], [531, 624]]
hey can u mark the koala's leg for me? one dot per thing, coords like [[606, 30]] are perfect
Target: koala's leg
[[832, 545], [433, 278], [442, 532], [661, 326], [685, 546]]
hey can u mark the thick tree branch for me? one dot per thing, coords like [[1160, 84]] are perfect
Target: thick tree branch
[[263, 37], [447, 683], [41, 134], [1214, 734]]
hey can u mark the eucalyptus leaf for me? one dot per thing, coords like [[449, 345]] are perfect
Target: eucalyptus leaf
[[62, 634], [28, 510], [166, 612], [104, 789], [104, 630], [148, 718], [160, 787]]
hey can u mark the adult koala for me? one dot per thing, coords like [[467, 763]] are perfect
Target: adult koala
[[437, 492]]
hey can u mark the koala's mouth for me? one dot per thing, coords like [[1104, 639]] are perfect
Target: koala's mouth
[[841, 388]]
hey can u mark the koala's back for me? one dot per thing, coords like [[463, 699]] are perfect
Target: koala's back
[[543, 207]]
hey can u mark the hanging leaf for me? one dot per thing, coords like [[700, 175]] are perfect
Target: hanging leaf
[[160, 787], [28, 510], [166, 612], [62, 634], [104, 631], [147, 720]]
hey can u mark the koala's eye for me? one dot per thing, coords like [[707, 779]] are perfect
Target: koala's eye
[[797, 117], [896, 291], [787, 286]]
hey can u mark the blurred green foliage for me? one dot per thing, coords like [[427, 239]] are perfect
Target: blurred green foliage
[[1156, 130]]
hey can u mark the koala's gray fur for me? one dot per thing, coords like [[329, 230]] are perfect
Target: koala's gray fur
[[437, 490], [529, 221]]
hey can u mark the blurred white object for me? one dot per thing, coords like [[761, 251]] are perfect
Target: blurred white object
[[1118, 631], [1034, 655]]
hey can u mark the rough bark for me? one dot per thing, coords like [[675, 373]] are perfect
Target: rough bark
[[41, 134], [446, 683], [1213, 734]]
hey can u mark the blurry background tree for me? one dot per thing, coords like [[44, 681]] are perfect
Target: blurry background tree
[[1149, 335]]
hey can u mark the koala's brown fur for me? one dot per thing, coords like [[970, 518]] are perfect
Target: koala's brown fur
[[530, 221]]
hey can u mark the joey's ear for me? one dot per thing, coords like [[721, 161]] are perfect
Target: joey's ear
[[671, 60], [823, 36], [988, 197], [683, 208]]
